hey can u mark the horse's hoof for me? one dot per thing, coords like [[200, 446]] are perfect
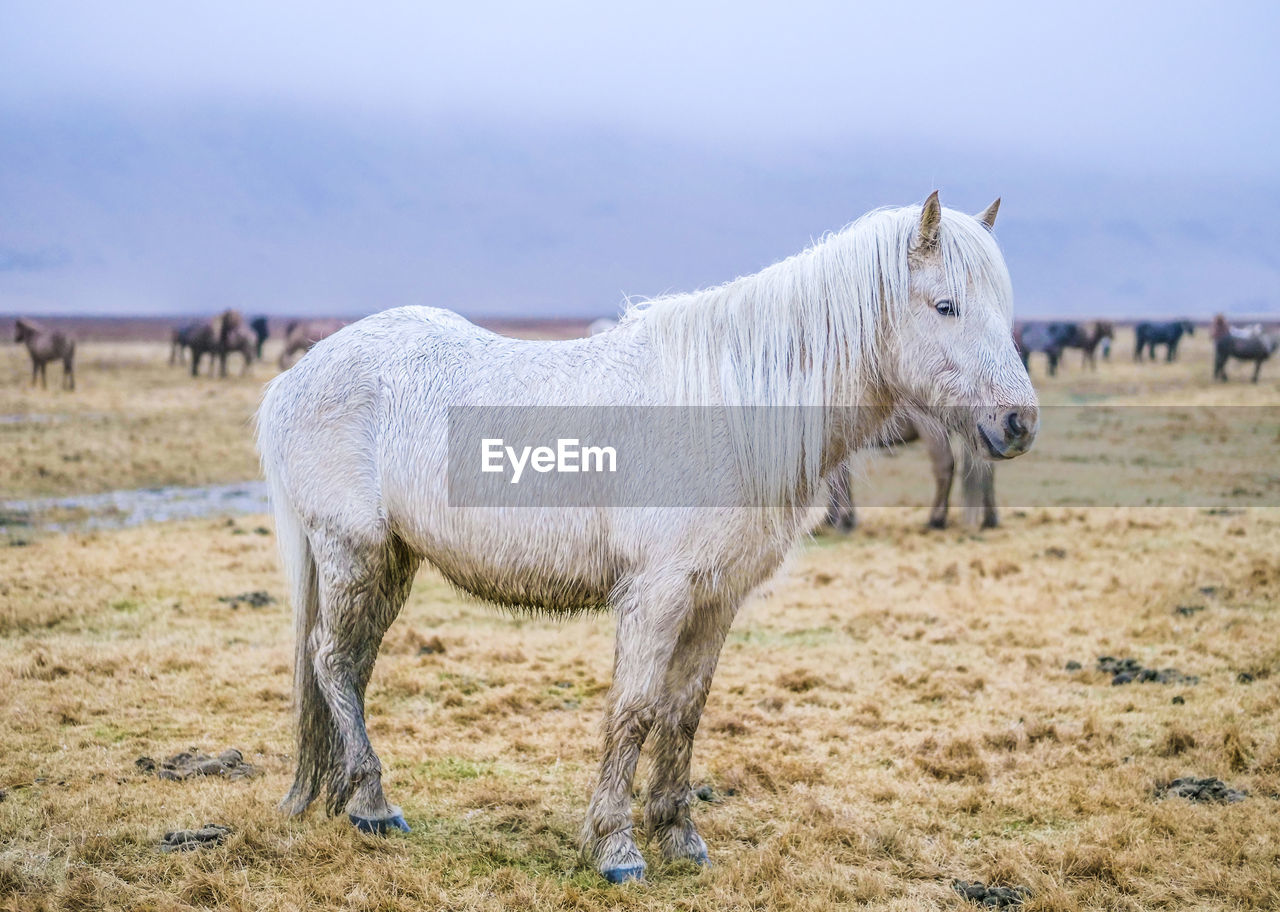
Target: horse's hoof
[[379, 826], [622, 875], [701, 860]]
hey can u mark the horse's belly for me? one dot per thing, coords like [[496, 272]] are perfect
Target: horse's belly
[[522, 561]]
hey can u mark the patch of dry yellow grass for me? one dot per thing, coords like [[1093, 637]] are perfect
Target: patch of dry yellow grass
[[132, 422], [895, 712]]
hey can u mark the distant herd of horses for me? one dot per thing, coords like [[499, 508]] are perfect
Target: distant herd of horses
[[225, 334], [1244, 343], [228, 333]]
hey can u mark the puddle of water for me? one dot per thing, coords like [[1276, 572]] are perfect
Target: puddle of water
[[118, 509], [30, 419], [59, 418]]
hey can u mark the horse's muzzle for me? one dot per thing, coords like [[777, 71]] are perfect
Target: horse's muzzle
[[1012, 435]]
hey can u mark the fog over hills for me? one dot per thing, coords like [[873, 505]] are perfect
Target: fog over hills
[[163, 211]]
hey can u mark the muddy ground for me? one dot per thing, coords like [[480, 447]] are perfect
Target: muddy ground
[[894, 715]]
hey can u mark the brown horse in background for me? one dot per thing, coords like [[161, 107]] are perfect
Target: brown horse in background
[[45, 345], [1089, 340], [300, 335], [977, 480]]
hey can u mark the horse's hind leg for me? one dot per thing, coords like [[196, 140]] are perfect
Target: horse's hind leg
[[362, 589], [688, 679], [651, 612]]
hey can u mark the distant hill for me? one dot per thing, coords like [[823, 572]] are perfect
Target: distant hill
[[112, 211]]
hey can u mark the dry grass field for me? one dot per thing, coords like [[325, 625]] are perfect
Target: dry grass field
[[896, 712]]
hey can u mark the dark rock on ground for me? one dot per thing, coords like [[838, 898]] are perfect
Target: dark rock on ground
[[255, 599], [1074, 666], [1126, 671], [1188, 610], [1179, 700], [1203, 790], [705, 793], [991, 897], [210, 834], [229, 763]]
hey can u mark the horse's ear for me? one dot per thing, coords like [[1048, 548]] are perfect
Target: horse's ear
[[930, 219], [988, 216]]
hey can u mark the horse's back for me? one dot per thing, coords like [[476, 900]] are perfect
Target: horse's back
[[370, 402]]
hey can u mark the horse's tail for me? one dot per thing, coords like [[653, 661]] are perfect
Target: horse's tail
[[313, 725], [977, 484]]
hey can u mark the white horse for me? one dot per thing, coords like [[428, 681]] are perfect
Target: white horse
[[905, 309]]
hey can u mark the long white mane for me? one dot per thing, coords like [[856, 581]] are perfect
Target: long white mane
[[807, 334]]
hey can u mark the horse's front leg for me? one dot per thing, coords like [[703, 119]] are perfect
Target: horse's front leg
[[841, 513], [651, 613], [670, 796], [944, 468]]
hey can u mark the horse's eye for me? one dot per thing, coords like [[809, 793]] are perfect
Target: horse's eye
[[947, 308]]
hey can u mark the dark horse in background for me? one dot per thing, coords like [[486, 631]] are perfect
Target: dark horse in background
[[1149, 335], [977, 480], [181, 340], [262, 331], [1242, 343]]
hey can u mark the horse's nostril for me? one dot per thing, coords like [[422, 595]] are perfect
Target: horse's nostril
[[1015, 426]]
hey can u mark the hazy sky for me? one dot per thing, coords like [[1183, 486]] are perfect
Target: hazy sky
[[1160, 86], [551, 157]]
